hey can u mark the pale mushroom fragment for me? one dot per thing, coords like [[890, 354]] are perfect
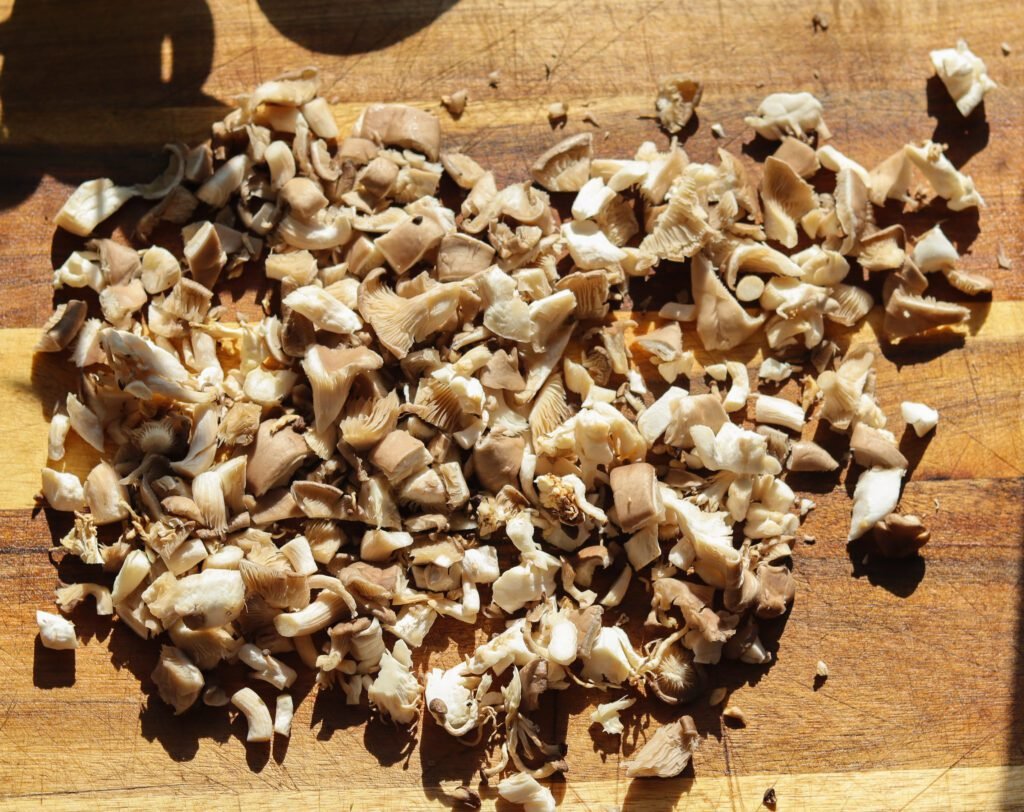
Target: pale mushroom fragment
[[56, 632], [721, 322], [809, 456], [678, 97], [793, 114], [876, 495], [565, 167], [921, 417], [400, 126], [257, 715], [523, 789], [177, 679], [964, 75], [899, 536], [92, 203], [956, 188], [785, 198], [667, 752]]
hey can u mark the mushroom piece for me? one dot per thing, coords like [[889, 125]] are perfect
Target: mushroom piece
[[523, 789], [106, 495], [779, 412], [400, 322], [396, 692], [331, 373], [92, 203], [667, 752], [809, 456], [326, 311], [497, 460], [876, 495], [566, 166], [398, 125], [410, 241], [964, 75], [399, 455], [460, 256], [721, 322], [62, 490], [956, 188], [283, 712], [801, 156], [678, 97], [793, 114], [899, 536], [56, 632], [637, 495], [920, 417], [210, 598], [785, 198], [279, 450], [62, 327], [908, 312], [177, 679], [257, 714]]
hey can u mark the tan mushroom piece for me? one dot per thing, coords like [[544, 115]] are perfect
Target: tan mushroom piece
[[667, 752], [177, 679], [565, 167], [809, 456], [785, 198], [899, 536], [400, 322], [794, 114], [277, 453], [637, 495], [410, 241], [873, 447], [721, 322], [909, 312], [399, 455], [678, 97], [257, 714], [400, 126]]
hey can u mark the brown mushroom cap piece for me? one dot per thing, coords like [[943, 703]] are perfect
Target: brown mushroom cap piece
[[398, 125], [62, 327], [566, 166], [637, 495], [399, 455], [777, 590], [873, 447], [497, 460], [898, 536], [502, 372], [806, 455], [276, 455]]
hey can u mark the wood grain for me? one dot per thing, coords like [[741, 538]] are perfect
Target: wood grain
[[923, 706]]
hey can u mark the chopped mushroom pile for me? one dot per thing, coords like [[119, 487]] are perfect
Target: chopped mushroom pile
[[437, 417]]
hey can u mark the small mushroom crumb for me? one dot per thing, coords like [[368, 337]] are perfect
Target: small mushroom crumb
[[455, 103], [770, 798], [1002, 258], [678, 97], [718, 130], [1006, 48], [734, 714], [493, 78], [821, 670], [819, 22], [558, 113]]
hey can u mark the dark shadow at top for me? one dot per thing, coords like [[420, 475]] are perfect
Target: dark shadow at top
[[71, 71], [351, 26]]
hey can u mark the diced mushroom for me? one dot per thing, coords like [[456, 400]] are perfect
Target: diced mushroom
[[667, 752]]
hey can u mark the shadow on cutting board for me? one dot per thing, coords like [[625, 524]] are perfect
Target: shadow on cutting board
[[343, 27], [68, 76]]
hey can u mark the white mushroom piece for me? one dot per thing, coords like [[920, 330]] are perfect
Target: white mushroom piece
[[525, 790], [565, 167], [792, 114], [919, 416], [876, 495], [678, 97], [56, 632], [257, 715], [964, 75], [178, 681]]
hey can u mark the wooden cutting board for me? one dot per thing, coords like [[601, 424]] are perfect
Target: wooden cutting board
[[924, 706]]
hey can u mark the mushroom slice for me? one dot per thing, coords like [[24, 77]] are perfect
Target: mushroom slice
[[566, 166], [758, 258], [369, 420], [62, 327], [801, 157], [967, 282], [177, 679], [257, 714], [921, 417], [330, 373], [721, 322], [779, 412], [667, 752], [523, 789], [681, 229], [898, 536], [398, 125], [908, 312], [678, 97], [956, 188], [795, 114], [876, 447], [934, 252], [876, 495], [808, 456], [411, 240], [400, 322], [92, 203], [56, 632], [210, 598], [462, 169], [785, 198], [882, 250], [204, 253], [964, 75], [278, 452], [324, 310], [891, 179], [396, 692], [400, 455], [849, 305], [852, 207], [460, 256], [637, 495], [497, 460], [589, 246], [63, 490]]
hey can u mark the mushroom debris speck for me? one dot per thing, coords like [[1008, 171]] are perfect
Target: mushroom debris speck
[[437, 415]]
